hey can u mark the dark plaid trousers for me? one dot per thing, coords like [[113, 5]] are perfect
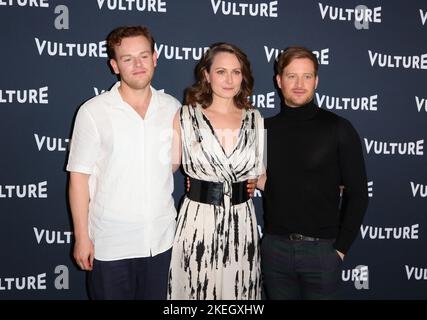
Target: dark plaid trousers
[[300, 269]]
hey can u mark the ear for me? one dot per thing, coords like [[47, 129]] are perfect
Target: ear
[[113, 64], [207, 77], [279, 81], [155, 57], [317, 81]]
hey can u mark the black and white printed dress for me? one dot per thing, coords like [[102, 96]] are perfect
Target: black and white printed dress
[[216, 248]]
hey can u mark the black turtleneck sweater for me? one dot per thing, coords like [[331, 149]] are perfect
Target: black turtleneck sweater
[[310, 153]]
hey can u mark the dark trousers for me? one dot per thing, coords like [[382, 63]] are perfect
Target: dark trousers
[[130, 279], [300, 269]]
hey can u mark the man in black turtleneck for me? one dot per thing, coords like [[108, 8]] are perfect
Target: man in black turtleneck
[[310, 154]]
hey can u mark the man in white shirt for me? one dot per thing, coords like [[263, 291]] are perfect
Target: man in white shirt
[[121, 178]]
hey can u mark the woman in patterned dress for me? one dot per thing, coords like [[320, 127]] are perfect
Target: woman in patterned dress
[[220, 137]]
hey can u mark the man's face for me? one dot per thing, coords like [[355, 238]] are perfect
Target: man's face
[[134, 62], [298, 82]]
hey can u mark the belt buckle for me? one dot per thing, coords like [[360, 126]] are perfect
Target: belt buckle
[[296, 237]]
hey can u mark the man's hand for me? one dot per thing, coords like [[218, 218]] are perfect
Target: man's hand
[[83, 254], [341, 255], [250, 186]]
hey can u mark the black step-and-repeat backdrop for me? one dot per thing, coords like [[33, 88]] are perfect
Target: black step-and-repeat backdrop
[[373, 71]]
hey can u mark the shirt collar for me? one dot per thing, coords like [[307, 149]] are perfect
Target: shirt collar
[[118, 102]]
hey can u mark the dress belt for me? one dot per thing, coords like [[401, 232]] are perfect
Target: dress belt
[[300, 237], [213, 192]]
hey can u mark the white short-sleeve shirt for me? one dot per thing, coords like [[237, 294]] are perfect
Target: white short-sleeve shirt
[[131, 209]]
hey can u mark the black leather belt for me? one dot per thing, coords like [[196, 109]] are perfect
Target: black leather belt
[[213, 192], [300, 237]]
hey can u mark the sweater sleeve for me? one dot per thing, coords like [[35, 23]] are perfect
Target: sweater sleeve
[[355, 194]]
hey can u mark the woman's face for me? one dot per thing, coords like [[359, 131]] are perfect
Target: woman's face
[[225, 75]]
